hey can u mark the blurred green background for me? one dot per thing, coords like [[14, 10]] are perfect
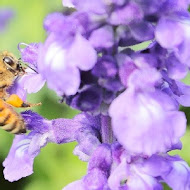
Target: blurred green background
[[56, 166]]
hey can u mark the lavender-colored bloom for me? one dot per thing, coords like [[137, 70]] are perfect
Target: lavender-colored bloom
[[29, 53], [112, 168], [63, 54], [135, 173], [88, 99], [98, 171], [129, 99], [5, 15], [17, 88], [144, 113], [127, 14], [102, 37], [32, 81], [26, 147], [94, 6], [176, 70], [177, 40], [126, 67], [105, 67]]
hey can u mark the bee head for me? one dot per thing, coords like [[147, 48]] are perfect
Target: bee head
[[13, 65]]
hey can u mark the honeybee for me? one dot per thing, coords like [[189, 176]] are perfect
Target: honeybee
[[10, 120]]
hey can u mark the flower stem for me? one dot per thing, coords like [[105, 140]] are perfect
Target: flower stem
[[106, 130]]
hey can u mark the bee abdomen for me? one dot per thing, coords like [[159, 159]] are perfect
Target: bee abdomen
[[3, 120], [11, 121], [16, 127]]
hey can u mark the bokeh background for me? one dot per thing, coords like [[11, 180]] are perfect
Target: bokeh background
[[56, 166]]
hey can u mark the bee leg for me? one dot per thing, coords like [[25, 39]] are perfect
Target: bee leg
[[15, 128], [7, 127], [16, 101]]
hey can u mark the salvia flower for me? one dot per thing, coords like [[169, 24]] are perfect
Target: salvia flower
[[129, 100]]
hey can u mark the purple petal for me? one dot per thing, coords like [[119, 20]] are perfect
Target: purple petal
[[125, 15], [68, 3], [18, 89], [111, 84], [155, 165], [184, 98], [79, 185], [89, 120], [176, 69], [84, 54], [34, 120], [88, 99], [124, 37], [30, 53], [65, 26], [53, 21], [127, 66], [101, 159], [95, 179], [105, 67], [142, 31], [118, 175], [182, 52], [172, 169], [32, 82], [143, 182], [145, 60], [19, 162], [169, 33], [94, 6], [87, 143], [25, 148], [156, 120], [138, 79], [179, 176], [58, 65], [99, 168], [55, 69], [59, 130], [102, 37]]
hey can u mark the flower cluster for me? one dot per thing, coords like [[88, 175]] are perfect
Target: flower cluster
[[129, 100]]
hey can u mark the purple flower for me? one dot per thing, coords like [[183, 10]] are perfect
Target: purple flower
[[129, 99], [112, 168], [88, 99], [63, 54], [32, 81], [5, 15], [147, 173], [94, 6], [98, 171], [102, 37], [26, 147], [29, 53], [177, 40], [144, 113]]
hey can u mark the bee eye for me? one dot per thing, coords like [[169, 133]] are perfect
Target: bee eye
[[8, 61]]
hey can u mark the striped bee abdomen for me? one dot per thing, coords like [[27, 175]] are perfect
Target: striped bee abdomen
[[10, 120]]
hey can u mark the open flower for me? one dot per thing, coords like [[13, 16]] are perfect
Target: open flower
[[19, 162], [145, 113], [64, 54]]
